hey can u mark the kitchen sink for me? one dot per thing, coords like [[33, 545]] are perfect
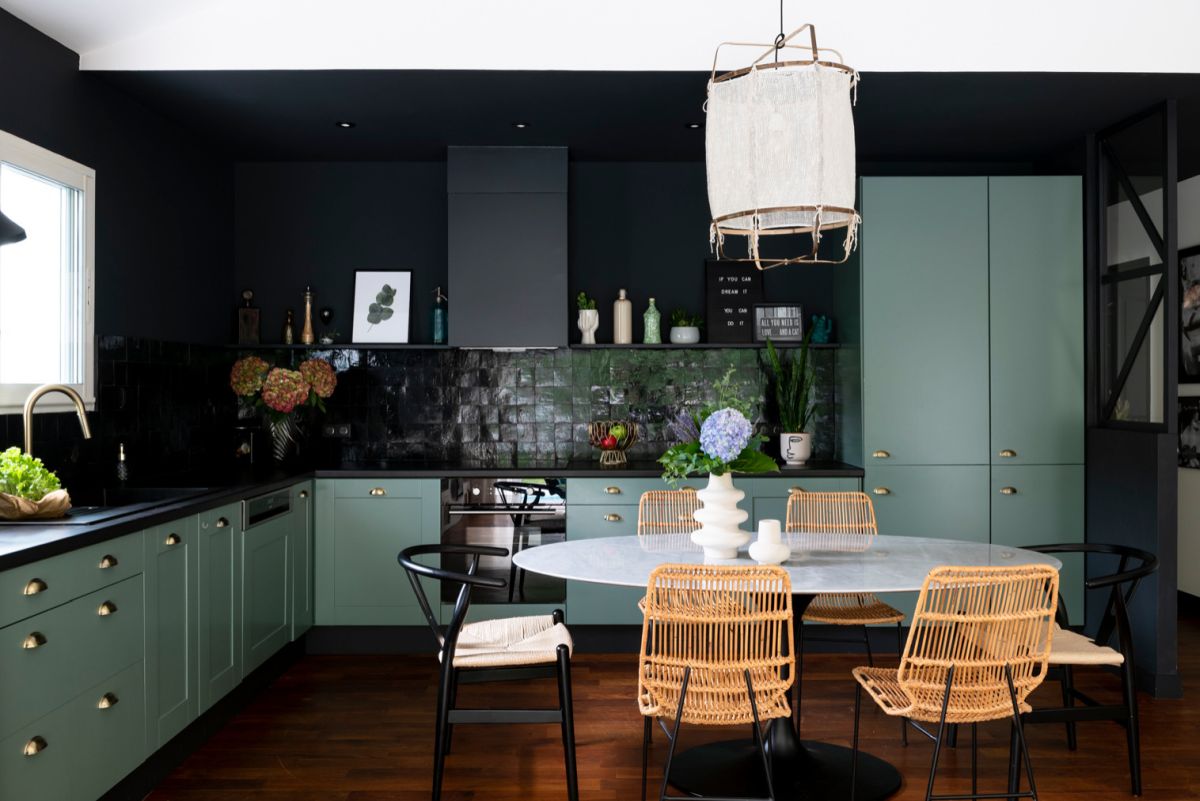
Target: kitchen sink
[[98, 505]]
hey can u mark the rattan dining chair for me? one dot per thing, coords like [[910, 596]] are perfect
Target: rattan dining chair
[[1071, 649], [837, 521], [716, 651], [978, 646], [665, 521], [516, 648]]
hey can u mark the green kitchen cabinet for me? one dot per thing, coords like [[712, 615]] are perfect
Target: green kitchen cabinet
[[218, 603], [361, 526], [302, 559], [925, 320], [767, 498], [172, 684], [1036, 247], [1038, 505], [589, 603], [944, 502], [266, 589]]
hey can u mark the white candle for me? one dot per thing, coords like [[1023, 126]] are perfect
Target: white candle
[[769, 531]]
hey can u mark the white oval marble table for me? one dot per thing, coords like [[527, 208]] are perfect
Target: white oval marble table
[[801, 770]]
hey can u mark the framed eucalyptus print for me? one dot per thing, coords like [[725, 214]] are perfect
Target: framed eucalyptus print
[[381, 305]]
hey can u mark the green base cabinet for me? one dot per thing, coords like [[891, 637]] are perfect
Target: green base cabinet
[[361, 526], [767, 498], [303, 606], [600, 604], [266, 592], [219, 603], [948, 502], [172, 657]]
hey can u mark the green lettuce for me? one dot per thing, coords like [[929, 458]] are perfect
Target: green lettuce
[[25, 476]]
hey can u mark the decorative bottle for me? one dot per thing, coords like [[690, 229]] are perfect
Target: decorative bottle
[[306, 334], [652, 325], [439, 317], [289, 327], [622, 320]]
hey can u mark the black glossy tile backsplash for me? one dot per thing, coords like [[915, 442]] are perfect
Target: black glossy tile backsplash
[[170, 404]]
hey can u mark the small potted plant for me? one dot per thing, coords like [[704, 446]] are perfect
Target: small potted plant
[[685, 327], [792, 378], [589, 318]]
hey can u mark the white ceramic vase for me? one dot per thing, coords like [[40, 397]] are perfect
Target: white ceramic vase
[[769, 548], [589, 321], [796, 449], [719, 518], [685, 334]]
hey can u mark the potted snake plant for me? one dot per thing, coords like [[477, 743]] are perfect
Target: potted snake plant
[[792, 378]]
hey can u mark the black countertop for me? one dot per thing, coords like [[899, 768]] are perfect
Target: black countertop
[[25, 543]]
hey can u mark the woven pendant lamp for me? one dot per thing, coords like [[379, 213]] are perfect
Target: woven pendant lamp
[[779, 150]]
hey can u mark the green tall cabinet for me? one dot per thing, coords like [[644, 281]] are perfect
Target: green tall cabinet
[[973, 407]]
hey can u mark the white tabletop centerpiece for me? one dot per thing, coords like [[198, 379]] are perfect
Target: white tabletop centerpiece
[[718, 441]]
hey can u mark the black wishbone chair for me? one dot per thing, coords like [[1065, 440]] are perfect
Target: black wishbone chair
[[1069, 650], [491, 650]]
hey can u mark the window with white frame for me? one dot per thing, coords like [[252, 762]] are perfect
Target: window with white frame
[[46, 281]]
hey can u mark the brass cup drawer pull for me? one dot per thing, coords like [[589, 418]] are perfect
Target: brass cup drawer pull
[[222, 522], [172, 539], [33, 640], [1008, 453], [107, 701], [35, 746], [882, 491], [613, 518], [686, 488], [108, 561], [378, 492], [1008, 490], [303, 494], [612, 490], [881, 455], [107, 608], [34, 586]]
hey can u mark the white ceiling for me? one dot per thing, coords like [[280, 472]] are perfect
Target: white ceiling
[[874, 35]]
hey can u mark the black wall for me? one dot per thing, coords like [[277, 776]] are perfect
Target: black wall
[[164, 200]]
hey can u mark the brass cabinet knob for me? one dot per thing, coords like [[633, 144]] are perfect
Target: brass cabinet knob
[[881, 455], [1008, 490], [35, 586], [613, 490], [1008, 453], [107, 608], [35, 639], [107, 701], [172, 539], [796, 489], [222, 522], [686, 488], [108, 561], [882, 491], [613, 518], [303, 493], [378, 492], [35, 746]]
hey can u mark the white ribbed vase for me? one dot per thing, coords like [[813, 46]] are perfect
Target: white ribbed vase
[[719, 519]]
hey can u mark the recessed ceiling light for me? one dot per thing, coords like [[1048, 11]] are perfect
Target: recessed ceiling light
[[344, 124], [520, 125], [693, 125]]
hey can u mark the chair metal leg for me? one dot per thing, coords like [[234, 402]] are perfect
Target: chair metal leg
[[854, 741], [867, 642], [941, 733], [1132, 733], [646, 729], [1024, 752], [1014, 764], [798, 690], [674, 737], [445, 690], [899, 659], [758, 737], [1067, 680], [452, 705], [568, 720], [974, 759]]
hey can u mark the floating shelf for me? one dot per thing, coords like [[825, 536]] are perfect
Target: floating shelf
[[701, 346], [345, 346]]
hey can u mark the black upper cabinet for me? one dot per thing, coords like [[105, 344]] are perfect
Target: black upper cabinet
[[507, 248]]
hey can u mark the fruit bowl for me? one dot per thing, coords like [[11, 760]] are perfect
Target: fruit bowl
[[603, 434]]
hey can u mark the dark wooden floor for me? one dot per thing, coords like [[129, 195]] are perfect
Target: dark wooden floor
[[359, 728]]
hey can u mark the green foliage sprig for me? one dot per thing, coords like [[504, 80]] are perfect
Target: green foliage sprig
[[584, 302], [792, 380], [25, 476], [682, 318], [382, 309]]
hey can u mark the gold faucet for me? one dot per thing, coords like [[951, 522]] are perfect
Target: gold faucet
[[35, 396]]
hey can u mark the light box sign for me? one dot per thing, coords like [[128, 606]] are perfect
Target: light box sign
[[732, 290], [778, 322]]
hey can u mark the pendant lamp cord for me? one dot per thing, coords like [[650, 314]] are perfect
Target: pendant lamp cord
[[779, 40]]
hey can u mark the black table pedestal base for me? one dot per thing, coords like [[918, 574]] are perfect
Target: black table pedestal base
[[816, 771]]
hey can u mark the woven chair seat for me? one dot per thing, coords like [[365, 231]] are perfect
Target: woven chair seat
[[850, 609], [1071, 648], [716, 695], [883, 685], [511, 642]]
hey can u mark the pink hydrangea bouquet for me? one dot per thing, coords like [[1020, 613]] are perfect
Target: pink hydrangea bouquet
[[280, 390]]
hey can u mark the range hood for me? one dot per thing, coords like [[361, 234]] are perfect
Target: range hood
[[507, 247]]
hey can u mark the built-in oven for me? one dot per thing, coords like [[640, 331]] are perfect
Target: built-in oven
[[510, 513]]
